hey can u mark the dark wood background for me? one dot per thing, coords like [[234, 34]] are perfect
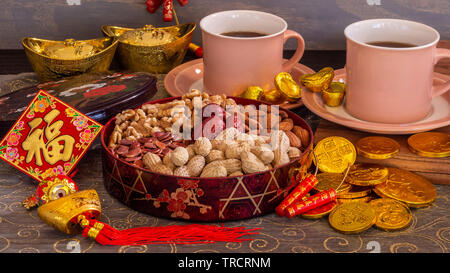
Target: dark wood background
[[320, 22]]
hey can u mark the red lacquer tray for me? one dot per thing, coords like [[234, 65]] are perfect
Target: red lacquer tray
[[197, 199]]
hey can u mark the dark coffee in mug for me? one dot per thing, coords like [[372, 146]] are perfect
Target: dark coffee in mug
[[391, 44], [243, 34]]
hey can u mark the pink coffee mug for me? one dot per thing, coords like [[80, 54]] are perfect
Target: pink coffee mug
[[231, 64], [387, 84]]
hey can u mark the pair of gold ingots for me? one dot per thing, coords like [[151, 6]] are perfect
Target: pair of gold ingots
[[399, 189]]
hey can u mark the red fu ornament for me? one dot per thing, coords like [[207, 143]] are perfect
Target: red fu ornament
[[49, 138]]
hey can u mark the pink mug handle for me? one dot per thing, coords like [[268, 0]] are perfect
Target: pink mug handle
[[287, 66], [443, 87]]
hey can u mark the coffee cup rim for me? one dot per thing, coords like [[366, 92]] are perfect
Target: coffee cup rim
[[201, 24], [435, 41]]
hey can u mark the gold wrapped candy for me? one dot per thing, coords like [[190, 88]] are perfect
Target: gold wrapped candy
[[252, 92], [272, 96], [318, 81], [288, 88], [334, 95]]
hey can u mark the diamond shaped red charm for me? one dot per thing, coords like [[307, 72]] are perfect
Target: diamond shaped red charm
[[49, 138]]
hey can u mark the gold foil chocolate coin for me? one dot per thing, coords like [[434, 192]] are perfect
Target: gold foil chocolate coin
[[404, 186], [430, 144], [352, 217], [361, 199], [355, 192], [366, 174], [377, 147], [334, 154], [391, 214], [320, 211], [332, 180]]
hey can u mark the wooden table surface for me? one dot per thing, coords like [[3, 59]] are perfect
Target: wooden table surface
[[23, 231]]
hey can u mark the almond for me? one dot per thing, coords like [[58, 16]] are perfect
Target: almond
[[286, 125], [293, 139], [302, 134]]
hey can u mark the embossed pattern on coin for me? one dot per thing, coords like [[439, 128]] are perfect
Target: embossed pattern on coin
[[366, 174], [332, 180], [352, 217], [391, 214], [334, 154], [430, 144], [377, 147], [407, 187]]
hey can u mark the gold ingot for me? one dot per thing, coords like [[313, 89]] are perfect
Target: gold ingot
[[364, 199], [288, 88], [391, 214], [151, 49], [377, 147], [352, 217], [53, 60], [334, 154], [430, 144], [355, 192], [318, 81], [367, 174], [334, 95], [272, 96], [60, 212], [407, 187], [332, 180], [253, 93]]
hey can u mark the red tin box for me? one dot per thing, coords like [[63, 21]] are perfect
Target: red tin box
[[197, 199]]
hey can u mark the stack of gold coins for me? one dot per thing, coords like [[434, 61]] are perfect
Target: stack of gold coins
[[371, 194]]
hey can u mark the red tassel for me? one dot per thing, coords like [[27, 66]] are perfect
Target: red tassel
[[175, 234]]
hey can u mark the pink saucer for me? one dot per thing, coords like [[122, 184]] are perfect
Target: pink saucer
[[438, 117], [187, 76]]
